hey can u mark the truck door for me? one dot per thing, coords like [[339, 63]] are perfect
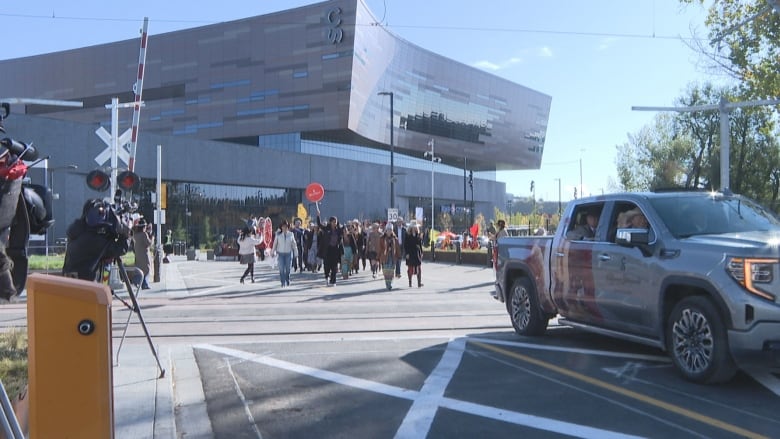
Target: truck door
[[574, 289], [625, 284]]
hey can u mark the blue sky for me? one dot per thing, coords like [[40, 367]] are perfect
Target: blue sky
[[596, 58]]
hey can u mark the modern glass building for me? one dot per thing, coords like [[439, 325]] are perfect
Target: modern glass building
[[250, 112]]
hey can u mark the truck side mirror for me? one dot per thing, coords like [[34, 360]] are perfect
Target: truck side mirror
[[632, 237], [639, 238]]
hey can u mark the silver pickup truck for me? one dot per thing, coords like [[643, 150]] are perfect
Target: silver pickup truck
[[696, 274]]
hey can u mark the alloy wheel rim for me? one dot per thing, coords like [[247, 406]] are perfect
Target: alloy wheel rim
[[521, 307], [693, 341]]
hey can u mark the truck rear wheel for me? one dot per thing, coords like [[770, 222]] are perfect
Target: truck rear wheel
[[524, 311], [697, 341]]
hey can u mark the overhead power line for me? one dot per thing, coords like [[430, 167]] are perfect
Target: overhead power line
[[650, 36]]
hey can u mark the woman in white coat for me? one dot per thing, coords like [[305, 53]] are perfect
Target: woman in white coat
[[247, 240], [285, 249]]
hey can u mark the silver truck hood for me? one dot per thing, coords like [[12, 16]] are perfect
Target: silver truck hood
[[769, 240]]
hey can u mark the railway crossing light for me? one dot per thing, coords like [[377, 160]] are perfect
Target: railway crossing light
[[98, 180]]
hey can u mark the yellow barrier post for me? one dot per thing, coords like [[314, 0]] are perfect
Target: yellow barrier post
[[69, 355]]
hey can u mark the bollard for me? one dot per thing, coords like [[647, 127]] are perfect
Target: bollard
[[156, 263], [69, 356]]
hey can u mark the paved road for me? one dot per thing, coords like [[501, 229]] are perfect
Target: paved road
[[438, 361]]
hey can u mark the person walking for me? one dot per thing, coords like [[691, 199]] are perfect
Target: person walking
[[400, 234], [350, 251], [142, 242], [389, 252], [311, 241], [298, 261], [494, 237], [360, 247], [167, 243], [413, 251], [286, 249], [330, 247], [365, 228], [247, 240], [372, 248]]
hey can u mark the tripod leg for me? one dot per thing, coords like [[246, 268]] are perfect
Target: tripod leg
[[124, 334], [137, 309]]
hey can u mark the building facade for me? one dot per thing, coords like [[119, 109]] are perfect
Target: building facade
[[250, 112]]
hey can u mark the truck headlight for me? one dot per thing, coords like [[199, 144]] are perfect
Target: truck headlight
[[752, 273]]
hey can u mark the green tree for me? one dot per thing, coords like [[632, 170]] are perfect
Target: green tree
[[683, 149], [703, 128], [746, 49], [655, 157]]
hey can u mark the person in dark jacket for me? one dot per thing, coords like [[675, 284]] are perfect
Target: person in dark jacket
[[299, 260], [330, 247], [413, 251]]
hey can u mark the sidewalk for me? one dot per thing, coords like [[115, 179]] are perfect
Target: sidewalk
[[147, 406]]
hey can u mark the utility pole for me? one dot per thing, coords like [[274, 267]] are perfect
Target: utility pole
[[724, 107]]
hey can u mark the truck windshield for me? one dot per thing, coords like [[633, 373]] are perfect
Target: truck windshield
[[705, 214]]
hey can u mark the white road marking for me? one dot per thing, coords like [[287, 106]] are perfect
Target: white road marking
[[767, 379], [531, 421], [419, 418], [241, 396]]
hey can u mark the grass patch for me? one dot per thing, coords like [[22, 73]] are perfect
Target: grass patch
[[13, 361], [54, 262]]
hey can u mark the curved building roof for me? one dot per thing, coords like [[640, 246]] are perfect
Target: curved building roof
[[315, 70]]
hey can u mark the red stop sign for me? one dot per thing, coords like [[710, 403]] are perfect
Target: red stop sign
[[314, 192]]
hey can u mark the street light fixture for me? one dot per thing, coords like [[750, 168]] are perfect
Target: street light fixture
[[430, 154], [392, 149]]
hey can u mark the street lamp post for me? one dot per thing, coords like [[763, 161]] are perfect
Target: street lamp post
[[186, 216], [392, 148], [434, 160], [471, 186]]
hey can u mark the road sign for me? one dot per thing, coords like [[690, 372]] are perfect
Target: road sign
[[315, 192], [122, 153], [392, 215]]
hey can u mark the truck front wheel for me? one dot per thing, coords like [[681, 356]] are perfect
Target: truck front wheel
[[697, 341], [523, 306]]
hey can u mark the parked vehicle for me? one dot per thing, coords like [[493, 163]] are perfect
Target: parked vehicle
[[699, 278]]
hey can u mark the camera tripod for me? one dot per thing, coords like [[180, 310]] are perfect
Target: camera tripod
[[103, 277]]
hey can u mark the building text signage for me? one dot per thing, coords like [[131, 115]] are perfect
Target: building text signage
[[335, 32]]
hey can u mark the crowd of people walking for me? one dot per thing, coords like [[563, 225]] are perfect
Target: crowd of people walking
[[335, 249]]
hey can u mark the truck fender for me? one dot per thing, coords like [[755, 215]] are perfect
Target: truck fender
[[675, 288], [515, 269]]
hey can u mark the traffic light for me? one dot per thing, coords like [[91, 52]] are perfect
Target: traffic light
[[471, 178], [575, 192], [532, 185], [128, 181], [163, 198], [98, 180]]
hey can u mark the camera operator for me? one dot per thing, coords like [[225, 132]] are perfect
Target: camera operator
[[142, 242], [97, 235]]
